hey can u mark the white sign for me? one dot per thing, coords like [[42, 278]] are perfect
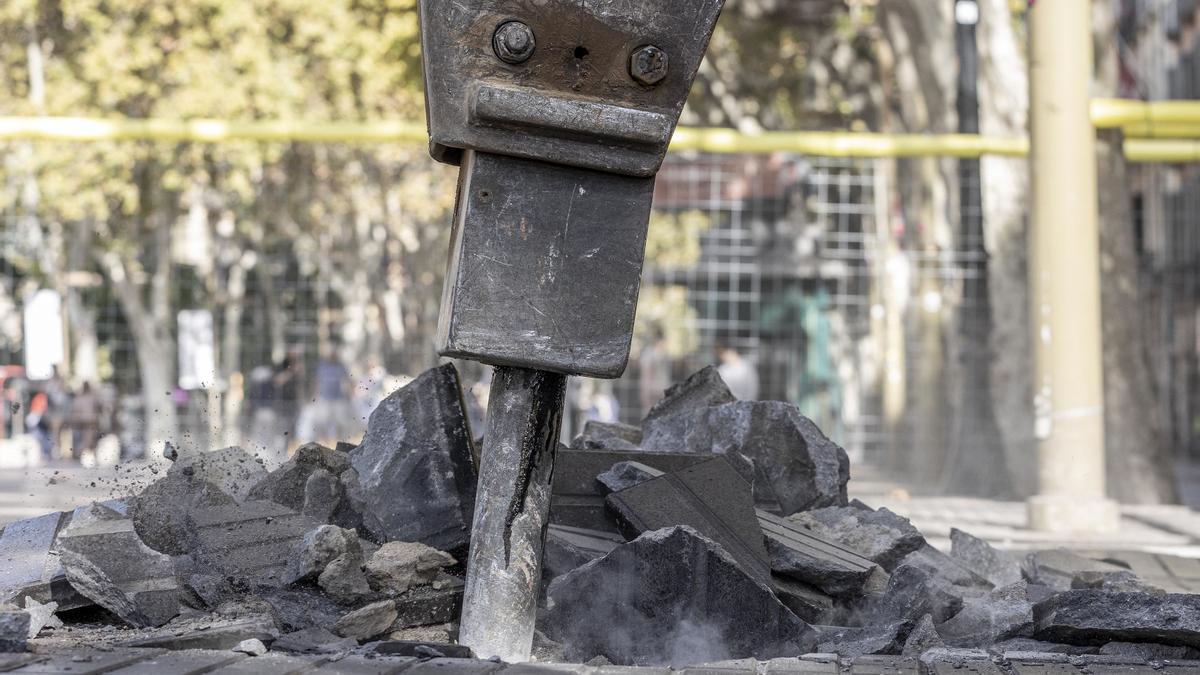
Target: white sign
[[197, 355], [966, 12], [44, 346]]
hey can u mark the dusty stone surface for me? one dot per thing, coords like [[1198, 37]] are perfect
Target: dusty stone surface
[[670, 597], [983, 621], [331, 496], [703, 389], [14, 630], [233, 470], [875, 638], [1099, 617], [999, 568], [367, 622], [880, 536], [796, 466], [318, 549], [923, 637], [162, 510], [106, 561], [398, 566], [252, 647], [416, 465]]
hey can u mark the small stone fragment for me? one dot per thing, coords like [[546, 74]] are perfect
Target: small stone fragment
[[670, 596], [322, 495], [399, 565], [41, 616], [1099, 617], [14, 630], [796, 466], [437, 633], [939, 564], [233, 470], [312, 641], [331, 502], [253, 647], [625, 475], [874, 638], [922, 638], [702, 389], [1114, 582], [106, 561], [318, 549], [416, 464], [881, 536], [911, 593], [343, 579], [998, 567], [607, 436], [367, 622]]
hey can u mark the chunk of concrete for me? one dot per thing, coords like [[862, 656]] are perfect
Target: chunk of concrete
[[28, 566], [161, 512], [233, 470], [624, 475], [330, 497], [607, 436], [41, 616], [880, 536], [1099, 617], [923, 637], [344, 581], [106, 561], [318, 549], [570, 547], [398, 566], [366, 622], [998, 567], [1002, 614], [1114, 582], [711, 498], [806, 602], [820, 561], [416, 467], [671, 596], [313, 641], [874, 638], [911, 593], [300, 608], [252, 541], [14, 630], [702, 389], [215, 634], [796, 466], [1057, 568], [437, 603]]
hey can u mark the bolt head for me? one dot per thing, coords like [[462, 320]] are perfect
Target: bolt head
[[648, 65], [513, 42]]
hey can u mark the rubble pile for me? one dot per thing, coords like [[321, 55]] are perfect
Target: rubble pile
[[718, 530]]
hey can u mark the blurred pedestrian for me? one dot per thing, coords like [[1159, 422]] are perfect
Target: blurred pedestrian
[[287, 381], [84, 419], [654, 371], [331, 409], [738, 372], [59, 400]]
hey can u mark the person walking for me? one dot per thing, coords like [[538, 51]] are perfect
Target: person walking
[[84, 419]]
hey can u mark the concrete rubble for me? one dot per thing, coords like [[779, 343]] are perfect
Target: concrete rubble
[[718, 532]]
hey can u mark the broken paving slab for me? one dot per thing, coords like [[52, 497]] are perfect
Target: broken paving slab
[[251, 541], [368, 621], [569, 547], [983, 621], [607, 436], [416, 465], [702, 389], [911, 593], [161, 512], [218, 634], [1057, 568], [190, 661], [806, 602], [796, 466], [875, 638], [1099, 617], [106, 561], [398, 566], [671, 596], [29, 566], [878, 535], [711, 498], [316, 481], [806, 556], [575, 500], [233, 470], [436, 603], [624, 475], [998, 567]]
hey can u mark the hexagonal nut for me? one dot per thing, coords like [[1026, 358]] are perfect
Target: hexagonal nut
[[648, 65], [513, 42]]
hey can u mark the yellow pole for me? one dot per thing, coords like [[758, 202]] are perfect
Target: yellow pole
[[1064, 276]]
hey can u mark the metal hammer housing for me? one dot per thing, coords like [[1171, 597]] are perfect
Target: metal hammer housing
[[559, 113]]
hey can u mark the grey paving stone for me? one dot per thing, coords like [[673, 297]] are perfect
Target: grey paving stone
[[271, 664], [1178, 667], [945, 661], [29, 569], [88, 661], [182, 662], [734, 667], [454, 666], [803, 666], [216, 637], [253, 540], [820, 561], [1024, 668], [361, 665], [12, 661], [884, 665]]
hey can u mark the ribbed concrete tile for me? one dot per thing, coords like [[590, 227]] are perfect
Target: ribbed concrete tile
[[185, 662], [361, 665], [270, 664], [805, 666], [86, 661], [465, 666], [884, 665]]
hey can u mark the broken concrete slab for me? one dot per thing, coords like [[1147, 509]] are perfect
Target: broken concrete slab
[[437, 603], [671, 596], [1030, 646], [1057, 568], [1002, 614], [575, 499], [607, 436], [570, 547], [702, 389], [14, 630], [1099, 617], [233, 470], [711, 498], [911, 593], [300, 608], [880, 535], [216, 634], [420, 650], [106, 561], [806, 556], [999, 568], [1115, 582], [416, 464], [806, 602], [398, 566], [796, 466], [366, 622], [29, 567], [874, 638], [316, 481], [252, 541]]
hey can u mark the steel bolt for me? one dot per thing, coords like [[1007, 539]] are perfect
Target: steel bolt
[[513, 42], [648, 65]]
